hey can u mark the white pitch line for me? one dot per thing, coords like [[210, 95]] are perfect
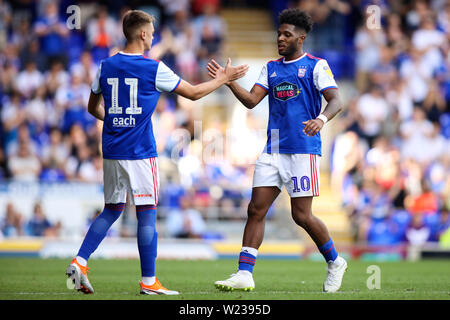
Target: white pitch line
[[246, 293]]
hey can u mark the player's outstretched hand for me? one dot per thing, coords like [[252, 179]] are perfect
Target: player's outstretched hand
[[231, 73], [312, 127]]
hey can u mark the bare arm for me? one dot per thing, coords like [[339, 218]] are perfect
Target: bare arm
[[224, 76], [248, 99], [94, 106], [331, 110]]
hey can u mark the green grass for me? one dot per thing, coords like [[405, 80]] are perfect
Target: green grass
[[28, 278]]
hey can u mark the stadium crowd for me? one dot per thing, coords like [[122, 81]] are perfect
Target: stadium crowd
[[390, 161]]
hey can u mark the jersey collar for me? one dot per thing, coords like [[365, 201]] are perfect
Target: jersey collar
[[295, 59], [130, 54]]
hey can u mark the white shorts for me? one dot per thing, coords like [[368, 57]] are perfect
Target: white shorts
[[299, 173], [138, 178]]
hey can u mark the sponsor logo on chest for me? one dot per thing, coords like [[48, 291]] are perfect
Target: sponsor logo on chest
[[285, 91], [124, 122]]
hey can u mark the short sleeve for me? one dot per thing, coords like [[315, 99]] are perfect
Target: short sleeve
[[323, 77], [95, 87], [263, 80], [166, 79]]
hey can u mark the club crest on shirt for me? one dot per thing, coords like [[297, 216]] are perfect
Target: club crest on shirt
[[301, 71], [285, 91]]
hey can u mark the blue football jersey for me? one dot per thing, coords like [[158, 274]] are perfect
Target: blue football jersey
[[131, 85], [295, 95]]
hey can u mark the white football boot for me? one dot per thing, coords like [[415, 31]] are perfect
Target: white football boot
[[78, 274], [242, 280], [336, 270], [156, 288]]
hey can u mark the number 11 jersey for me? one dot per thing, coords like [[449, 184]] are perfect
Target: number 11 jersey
[[131, 85]]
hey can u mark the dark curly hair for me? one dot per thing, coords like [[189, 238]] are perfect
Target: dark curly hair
[[298, 18]]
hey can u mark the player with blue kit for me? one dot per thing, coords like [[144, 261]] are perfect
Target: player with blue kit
[[130, 85], [295, 85]]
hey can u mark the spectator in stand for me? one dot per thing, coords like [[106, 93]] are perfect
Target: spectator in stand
[[415, 133], [210, 28], [12, 225], [33, 52], [418, 233], [23, 136], [368, 43], [185, 46], [185, 221], [52, 32], [29, 80], [54, 157], [91, 171], [5, 20], [384, 74], [329, 27], [56, 77], [7, 77], [417, 14], [436, 145], [38, 110], [13, 115], [77, 137], [434, 104], [86, 68], [71, 100], [400, 100], [25, 166], [385, 159], [417, 73], [426, 202], [429, 42], [79, 163], [443, 18], [171, 7], [22, 36], [373, 110], [39, 225], [395, 35], [101, 34]]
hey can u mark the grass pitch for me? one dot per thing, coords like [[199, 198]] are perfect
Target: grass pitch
[[30, 279]]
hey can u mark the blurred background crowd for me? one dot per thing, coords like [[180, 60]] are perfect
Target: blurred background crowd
[[389, 162]]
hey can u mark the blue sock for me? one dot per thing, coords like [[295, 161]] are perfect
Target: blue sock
[[328, 251], [246, 261], [98, 229], [147, 239]]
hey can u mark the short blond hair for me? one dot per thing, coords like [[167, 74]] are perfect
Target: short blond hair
[[133, 20]]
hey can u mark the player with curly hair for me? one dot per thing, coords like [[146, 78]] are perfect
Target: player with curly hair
[[295, 85]]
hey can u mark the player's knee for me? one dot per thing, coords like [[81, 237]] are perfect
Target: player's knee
[[301, 219], [256, 212]]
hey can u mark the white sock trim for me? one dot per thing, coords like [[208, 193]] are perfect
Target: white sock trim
[[148, 281], [245, 272], [252, 251], [82, 261]]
